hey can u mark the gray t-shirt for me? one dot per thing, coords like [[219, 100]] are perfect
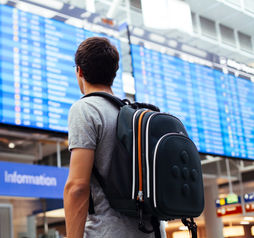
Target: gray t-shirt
[[92, 125]]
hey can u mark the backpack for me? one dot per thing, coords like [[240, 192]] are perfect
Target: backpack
[[155, 168]]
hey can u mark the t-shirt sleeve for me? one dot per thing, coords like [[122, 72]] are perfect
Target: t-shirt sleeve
[[84, 125]]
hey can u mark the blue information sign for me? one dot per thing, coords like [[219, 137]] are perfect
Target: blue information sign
[[216, 108], [22, 180], [249, 197], [37, 78]]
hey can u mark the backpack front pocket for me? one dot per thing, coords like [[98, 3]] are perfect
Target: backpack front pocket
[[177, 188]]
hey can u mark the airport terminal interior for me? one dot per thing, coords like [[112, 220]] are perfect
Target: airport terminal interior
[[191, 58]]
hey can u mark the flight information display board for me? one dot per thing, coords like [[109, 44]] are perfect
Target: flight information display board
[[216, 108], [37, 79]]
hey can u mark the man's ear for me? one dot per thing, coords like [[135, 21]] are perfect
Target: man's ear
[[80, 72]]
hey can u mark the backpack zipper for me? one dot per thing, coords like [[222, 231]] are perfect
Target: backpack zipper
[[140, 191], [134, 153], [147, 146], [147, 155], [154, 161]]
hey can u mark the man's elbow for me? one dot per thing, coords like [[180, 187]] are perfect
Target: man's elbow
[[76, 189]]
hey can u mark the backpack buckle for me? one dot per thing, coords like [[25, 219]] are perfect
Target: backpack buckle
[[141, 224], [191, 226]]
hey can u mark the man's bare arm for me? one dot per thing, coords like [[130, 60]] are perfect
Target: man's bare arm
[[77, 190]]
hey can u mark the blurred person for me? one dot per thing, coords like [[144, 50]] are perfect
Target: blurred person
[[92, 135]]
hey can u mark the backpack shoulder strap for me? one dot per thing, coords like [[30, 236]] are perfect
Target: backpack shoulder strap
[[113, 99], [95, 172], [120, 103]]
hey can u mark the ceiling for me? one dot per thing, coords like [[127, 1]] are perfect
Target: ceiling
[[239, 19]]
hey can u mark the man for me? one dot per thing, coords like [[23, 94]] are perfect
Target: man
[[92, 134]]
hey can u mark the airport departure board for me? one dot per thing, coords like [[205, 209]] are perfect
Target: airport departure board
[[37, 79], [216, 108]]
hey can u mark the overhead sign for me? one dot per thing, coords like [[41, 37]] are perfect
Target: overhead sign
[[233, 198], [249, 207], [249, 197], [229, 210], [230, 199], [22, 180]]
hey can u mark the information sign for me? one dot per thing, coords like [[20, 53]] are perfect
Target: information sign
[[23, 180], [229, 210]]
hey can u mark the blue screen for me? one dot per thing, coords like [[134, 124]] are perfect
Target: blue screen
[[37, 79], [217, 109]]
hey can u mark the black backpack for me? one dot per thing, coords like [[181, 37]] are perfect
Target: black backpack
[[155, 169]]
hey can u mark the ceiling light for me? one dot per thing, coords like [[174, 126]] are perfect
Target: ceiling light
[[157, 38], [86, 14], [173, 43], [35, 9], [58, 213], [180, 234], [183, 228], [248, 218], [223, 60], [55, 213], [52, 3], [223, 195], [138, 31], [96, 20], [233, 231], [167, 14], [75, 22], [90, 5], [11, 145], [244, 223]]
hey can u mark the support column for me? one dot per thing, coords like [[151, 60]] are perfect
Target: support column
[[213, 224], [58, 153], [31, 226], [113, 9]]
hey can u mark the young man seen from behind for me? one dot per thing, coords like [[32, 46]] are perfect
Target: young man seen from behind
[[92, 135]]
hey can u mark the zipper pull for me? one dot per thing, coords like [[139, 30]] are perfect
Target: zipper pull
[[140, 196]]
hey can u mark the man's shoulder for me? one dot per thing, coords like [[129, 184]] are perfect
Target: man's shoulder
[[83, 103], [94, 107], [93, 103]]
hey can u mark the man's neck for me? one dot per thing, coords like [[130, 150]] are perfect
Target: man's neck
[[91, 88]]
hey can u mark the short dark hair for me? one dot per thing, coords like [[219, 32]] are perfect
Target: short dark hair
[[98, 60]]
